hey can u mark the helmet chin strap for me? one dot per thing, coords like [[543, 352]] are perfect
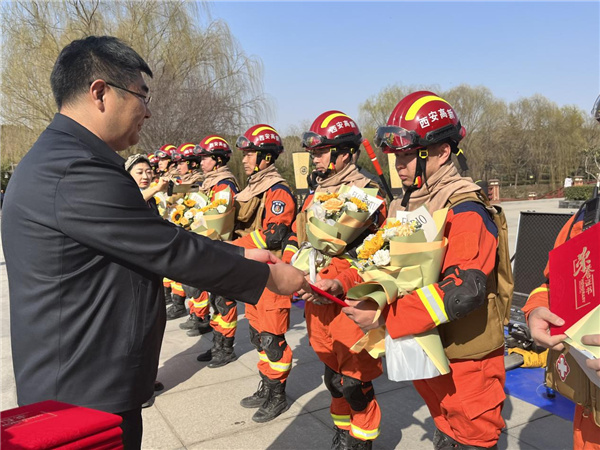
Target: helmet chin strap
[[260, 156], [420, 176]]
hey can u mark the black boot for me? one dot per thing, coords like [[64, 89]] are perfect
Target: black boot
[[225, 356], [275, 404], [191, 323], [201, 327], [258, 398], [340, 439], [216, 348], [441, 441], [168, 298], [353, 443], [177, 309]]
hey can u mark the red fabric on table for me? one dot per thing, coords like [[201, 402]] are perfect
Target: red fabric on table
[[50, 424], [103, 439]]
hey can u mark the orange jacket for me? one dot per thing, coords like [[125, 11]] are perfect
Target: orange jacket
[[278, 216]]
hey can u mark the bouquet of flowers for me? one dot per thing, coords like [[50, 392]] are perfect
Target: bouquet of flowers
[[405, 254], [332, 222], [195, 212]]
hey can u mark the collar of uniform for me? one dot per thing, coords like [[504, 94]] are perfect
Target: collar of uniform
[[64, 124]]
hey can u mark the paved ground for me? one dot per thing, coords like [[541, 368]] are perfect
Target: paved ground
[[199, 408]]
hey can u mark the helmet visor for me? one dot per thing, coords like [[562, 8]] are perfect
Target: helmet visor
[[395, 139], [312, 140], [243, 143], [596, 109]]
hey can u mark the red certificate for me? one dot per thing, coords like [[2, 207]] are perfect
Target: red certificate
[[575, 278]]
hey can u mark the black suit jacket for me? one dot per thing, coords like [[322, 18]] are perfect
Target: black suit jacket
[[85, 256]]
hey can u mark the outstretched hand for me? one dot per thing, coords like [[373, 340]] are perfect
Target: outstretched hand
[[363, 314], [539, 322]]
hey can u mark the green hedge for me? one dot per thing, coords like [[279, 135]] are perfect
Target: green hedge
[[579, 192]]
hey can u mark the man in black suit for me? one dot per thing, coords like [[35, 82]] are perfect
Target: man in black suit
[[85, 255]]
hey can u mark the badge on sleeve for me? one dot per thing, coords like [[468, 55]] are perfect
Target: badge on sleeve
[[277, 207]]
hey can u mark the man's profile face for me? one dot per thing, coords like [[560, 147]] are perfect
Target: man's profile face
[[321, 159], [163, 164]]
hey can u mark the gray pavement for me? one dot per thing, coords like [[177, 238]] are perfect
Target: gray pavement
[[199, 408]]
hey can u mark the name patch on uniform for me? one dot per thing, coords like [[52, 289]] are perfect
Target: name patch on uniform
[[277, 207]]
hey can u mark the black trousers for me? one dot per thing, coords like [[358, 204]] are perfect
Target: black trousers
[[132, 428]]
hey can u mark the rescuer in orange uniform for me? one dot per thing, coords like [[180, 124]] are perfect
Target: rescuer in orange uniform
[[188, 171], [334, 142], [579, 388], [265, 211], [423, 131]]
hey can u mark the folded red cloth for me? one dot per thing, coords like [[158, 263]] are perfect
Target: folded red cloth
[[50, 424], [104, 439]]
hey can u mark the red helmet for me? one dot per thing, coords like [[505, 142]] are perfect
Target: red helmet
[[262, 138], [153, 159], [185, 152], [215, 146], [420, 119], [165, 151], [332, 129]]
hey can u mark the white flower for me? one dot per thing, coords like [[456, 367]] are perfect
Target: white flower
[[180, 201], [381, 258], [188, 214], [221, 209], [330, 222], [389, 233], [318, 211], [199, 215], [351, 207]]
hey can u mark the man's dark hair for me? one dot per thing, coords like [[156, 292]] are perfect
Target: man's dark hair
[[85, 60]]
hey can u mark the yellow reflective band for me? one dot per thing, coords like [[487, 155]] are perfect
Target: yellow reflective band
[[277, 366], [185, 147], [433, 303], [416, 106], [341, 420], [258, 130], [201, 304], [229, 325], [291, 248], [538, 290], [330, 117], [215, 137], [364, 434], [258, 239]]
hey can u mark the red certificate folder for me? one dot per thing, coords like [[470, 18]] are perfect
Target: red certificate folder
[[51, 424], [575, 278]]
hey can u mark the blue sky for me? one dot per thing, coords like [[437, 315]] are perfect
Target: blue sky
[[334, 55]]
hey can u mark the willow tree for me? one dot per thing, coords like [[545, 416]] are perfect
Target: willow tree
[[203, 81]]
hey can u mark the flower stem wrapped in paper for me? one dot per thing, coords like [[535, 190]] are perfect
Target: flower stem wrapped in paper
[[405, 254], [334, 221]]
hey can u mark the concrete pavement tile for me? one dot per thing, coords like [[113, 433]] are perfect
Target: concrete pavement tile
[[157, 432], [516, 412], [184, 409], [176, 343], [301, 432], [507, 442], [305, 385], [183, 372], [546, 433], [5, 348]]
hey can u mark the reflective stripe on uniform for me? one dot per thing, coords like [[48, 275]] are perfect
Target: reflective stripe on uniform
[[364, 434], [277, 366], [291, 248], [341, 420], [258, 239], [200, 304], [542, 288], [433, 303], [228, 325]]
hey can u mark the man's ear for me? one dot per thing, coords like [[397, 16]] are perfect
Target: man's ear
[[445, 152], [97, 92]]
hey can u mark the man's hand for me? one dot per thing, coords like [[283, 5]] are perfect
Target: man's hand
[[334, 287], [592, 339], [363, 314], [286, 279], [539, 322], [260, 255]]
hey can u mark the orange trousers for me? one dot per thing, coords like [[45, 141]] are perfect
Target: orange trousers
[[466, 404], [331, 334], [586, 434], [272, 314], [176, 288], [200, 305]]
